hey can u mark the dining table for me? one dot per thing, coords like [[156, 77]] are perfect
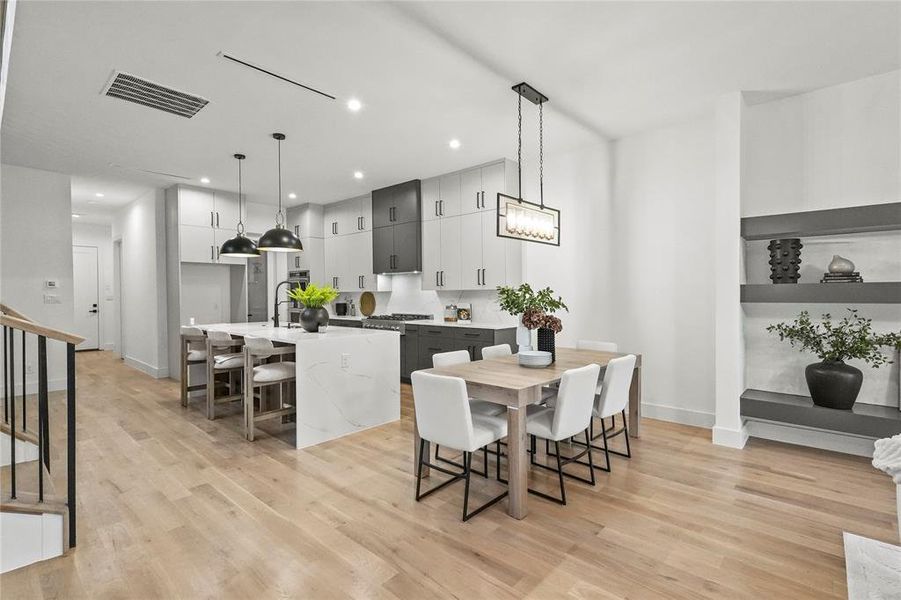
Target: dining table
[[503, 381]]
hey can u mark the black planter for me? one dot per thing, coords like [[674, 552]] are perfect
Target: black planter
[[311, 319], [785, 260], [833, 384], [546, 342]]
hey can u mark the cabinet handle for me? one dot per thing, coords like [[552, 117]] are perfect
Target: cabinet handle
[[483, 276], [477, 200], [297, 230], [212, 253], [483, 199], [211, 219], [217, 219], [477, 277], [441, 207], [436, 208], [442, 278], [436, 279], [296, 262], [217, 252]]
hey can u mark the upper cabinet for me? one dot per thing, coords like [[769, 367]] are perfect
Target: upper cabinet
[[461, 248], [195, 207], [259, 218], [397, 204], [205, 219], [348, 216], [396, 223]]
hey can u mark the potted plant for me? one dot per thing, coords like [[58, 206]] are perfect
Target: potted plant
[[314, 298], [831, 382], [533, 309]]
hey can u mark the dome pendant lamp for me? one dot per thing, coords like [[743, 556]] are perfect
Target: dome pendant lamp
[[279, 239], [239, 246]]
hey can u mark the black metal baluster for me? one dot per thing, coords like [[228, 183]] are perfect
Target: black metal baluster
[[5, 377], [70, 426], [43, 443], [24, 405], [12, 414]]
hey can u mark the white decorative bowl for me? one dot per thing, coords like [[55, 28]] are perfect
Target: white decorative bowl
[[534, 359]]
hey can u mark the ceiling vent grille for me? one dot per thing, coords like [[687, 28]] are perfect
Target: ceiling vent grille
[[142, 91]]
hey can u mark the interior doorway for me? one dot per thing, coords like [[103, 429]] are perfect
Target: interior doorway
[[86, 288]]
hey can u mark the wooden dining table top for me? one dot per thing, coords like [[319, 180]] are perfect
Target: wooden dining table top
[[505, 373]]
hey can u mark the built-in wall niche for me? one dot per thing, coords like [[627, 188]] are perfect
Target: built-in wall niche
[[213, 293]]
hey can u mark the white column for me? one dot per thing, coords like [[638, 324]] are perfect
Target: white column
[[729, 429]]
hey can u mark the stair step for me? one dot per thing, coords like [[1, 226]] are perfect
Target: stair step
[[27, 480], [24, 436]]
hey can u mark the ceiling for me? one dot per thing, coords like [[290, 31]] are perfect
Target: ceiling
[[425, 73], [116, 193]]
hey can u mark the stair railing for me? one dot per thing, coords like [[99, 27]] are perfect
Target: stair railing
[[13, 321]]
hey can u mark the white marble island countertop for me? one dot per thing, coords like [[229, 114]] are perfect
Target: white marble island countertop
[[293, 335]]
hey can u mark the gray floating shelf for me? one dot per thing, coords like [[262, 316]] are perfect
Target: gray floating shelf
[[867, 420], [857, 219], [880, 292]]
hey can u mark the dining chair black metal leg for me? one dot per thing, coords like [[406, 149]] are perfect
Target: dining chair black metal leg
[[532, 457], [419, 468], [606, 447], [498, 463], [484, 473], [590, 459], [626, 434], [560, 474], [467, 459]]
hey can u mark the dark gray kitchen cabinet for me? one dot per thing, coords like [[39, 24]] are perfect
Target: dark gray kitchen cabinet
[[409, 352], [382, 249], [397, 204], [429, 346], [397, 230], [434, 339]]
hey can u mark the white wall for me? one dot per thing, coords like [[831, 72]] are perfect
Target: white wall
[[834, 147], [661, 266], [141, 228], [101, 237], [830, 148], [36, 246]]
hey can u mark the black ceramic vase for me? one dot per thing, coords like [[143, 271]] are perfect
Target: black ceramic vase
[[833, 384], [546, 342], [311, 319], [785, 260]]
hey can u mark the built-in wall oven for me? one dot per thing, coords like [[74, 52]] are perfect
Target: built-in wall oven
[[296, 279]]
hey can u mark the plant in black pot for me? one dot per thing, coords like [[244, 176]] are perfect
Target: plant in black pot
[[535, 308], [831, 382], [314, 298]]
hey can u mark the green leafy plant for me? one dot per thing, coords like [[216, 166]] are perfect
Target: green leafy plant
[[315, 296], [852, 337], [517, 300]]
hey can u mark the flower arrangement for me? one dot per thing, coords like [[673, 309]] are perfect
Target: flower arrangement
[[535, 307], [314, 296], [852, 337]]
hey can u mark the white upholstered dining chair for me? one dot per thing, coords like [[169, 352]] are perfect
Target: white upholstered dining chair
[[444, 416], [498, 351]]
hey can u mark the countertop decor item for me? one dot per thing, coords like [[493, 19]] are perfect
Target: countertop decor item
[[239, 246], [367, 304], [314, 298], [517, 218], [841, 265], [534, 359], [832, 383], [464, 314], [532, 307], [450, 313], [280, 238], [785, 260]]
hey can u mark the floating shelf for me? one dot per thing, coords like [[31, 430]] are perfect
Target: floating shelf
[[867, 420], [881, 292], [857, 219]]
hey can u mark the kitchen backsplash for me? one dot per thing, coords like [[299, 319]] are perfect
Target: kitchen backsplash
[[407, 296]]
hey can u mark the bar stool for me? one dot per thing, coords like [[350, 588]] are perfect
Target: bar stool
[[221, 360], [266, 374], [443, 415], [193, 352]]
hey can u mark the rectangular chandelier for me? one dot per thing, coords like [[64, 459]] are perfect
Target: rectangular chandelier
[[522, 220]]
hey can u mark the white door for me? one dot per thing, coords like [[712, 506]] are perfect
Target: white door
[[87, 296]]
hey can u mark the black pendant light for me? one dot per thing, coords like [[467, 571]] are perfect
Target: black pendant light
[[279, 239], [239, 246]]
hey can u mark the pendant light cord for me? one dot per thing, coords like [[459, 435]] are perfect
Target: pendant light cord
[[519, 141], [240, 202], [541, 152], [279, 218]]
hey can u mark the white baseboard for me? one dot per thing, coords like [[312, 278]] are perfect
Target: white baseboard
[[108, 346], [733, 438], [811, 437], [674, 414], [31, 386], [155, 372]]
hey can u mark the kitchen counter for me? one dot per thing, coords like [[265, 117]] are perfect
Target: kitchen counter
[[348, 379], [473, 325]]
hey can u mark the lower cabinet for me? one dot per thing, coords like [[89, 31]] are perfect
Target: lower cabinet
[[428, 340]]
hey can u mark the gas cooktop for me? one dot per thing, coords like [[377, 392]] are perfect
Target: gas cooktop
[[399, 317]]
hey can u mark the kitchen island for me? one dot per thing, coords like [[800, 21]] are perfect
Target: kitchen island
[[348, 379]]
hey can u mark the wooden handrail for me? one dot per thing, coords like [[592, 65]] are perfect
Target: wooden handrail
[[32, 327], [12, 312]]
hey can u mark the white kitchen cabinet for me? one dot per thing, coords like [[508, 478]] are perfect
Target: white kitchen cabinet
[[494, 253], [451, 243], [471, 191], [449, 195], [259, 218], [332, 218], [220, 236], [197, 244], [430, 198], [431, 254], [495, 179], [358, 272], [471, 251], [336, 262], [366, 214], [195, 207], [226, 210]]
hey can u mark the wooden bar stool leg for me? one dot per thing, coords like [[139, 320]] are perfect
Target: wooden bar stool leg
[[184, 372], [210, 382]]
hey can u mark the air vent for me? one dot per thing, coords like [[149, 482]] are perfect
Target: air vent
[[141, 91]]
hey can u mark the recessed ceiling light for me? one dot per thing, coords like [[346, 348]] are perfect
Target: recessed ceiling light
[[454, 143], [99, 195], [292, 196], [75, 215], [354, 105], [358, 174], [204, 180]]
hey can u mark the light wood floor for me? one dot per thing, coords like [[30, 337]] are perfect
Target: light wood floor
[[173, 506]]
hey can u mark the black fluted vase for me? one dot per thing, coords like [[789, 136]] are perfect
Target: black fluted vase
[[546, 342], [785, 260]]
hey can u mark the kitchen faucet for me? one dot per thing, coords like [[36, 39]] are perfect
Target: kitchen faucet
[[275, 322]]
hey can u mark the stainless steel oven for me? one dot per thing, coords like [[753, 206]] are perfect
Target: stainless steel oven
[[296, 279]]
